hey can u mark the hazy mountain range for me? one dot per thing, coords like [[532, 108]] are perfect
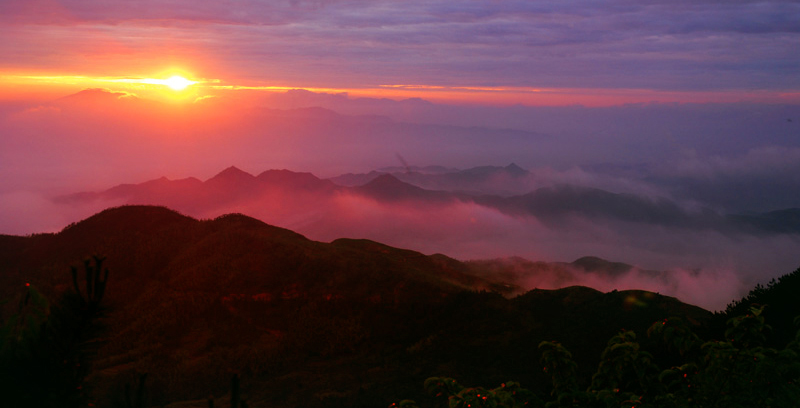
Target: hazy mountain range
[[556, 203], [413, 208], [682, 188], [416, 207]]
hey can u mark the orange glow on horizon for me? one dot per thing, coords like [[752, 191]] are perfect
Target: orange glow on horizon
[[180, 86], [174, 82], [170, 87]]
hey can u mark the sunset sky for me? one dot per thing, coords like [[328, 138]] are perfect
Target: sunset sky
[[691, 103], [481, 52]]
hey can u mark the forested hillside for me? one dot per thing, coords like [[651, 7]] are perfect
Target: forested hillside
[[349, 323]]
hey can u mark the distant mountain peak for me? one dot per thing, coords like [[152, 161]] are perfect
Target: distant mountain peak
[[284, 173], [387, 180], [233, 173], [389, 187], [515, 170], [587, 259], [291, 179], [233, 169]]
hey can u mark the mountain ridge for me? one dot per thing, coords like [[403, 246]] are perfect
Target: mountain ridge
[[550, 204], [235, 293]]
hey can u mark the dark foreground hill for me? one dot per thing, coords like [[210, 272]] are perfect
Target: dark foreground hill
[[306, 324]]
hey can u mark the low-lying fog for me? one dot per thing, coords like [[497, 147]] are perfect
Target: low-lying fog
[[676, 174]]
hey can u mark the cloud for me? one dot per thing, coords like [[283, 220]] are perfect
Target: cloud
[[620, 44], [702, 267], [27, 212], [674, 151], [762, 179], [692, 260], [689, 286], [734, 157]]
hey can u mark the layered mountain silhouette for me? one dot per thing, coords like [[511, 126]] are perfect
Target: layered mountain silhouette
[[481, 180], [347, 323], [553, 205], [387, 187]]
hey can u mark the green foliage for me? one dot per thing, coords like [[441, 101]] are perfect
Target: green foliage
[[677, 335], [624, 367], [781, 297], [740, 371], [737, 371], [748, 330], [558, 363], [476, 397], [442, 387]]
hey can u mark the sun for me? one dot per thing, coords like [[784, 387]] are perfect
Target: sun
[[177, 82]]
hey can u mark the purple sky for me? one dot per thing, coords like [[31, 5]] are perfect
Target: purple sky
[[744, 50]]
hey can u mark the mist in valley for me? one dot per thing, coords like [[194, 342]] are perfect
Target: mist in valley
[[687, 168]]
